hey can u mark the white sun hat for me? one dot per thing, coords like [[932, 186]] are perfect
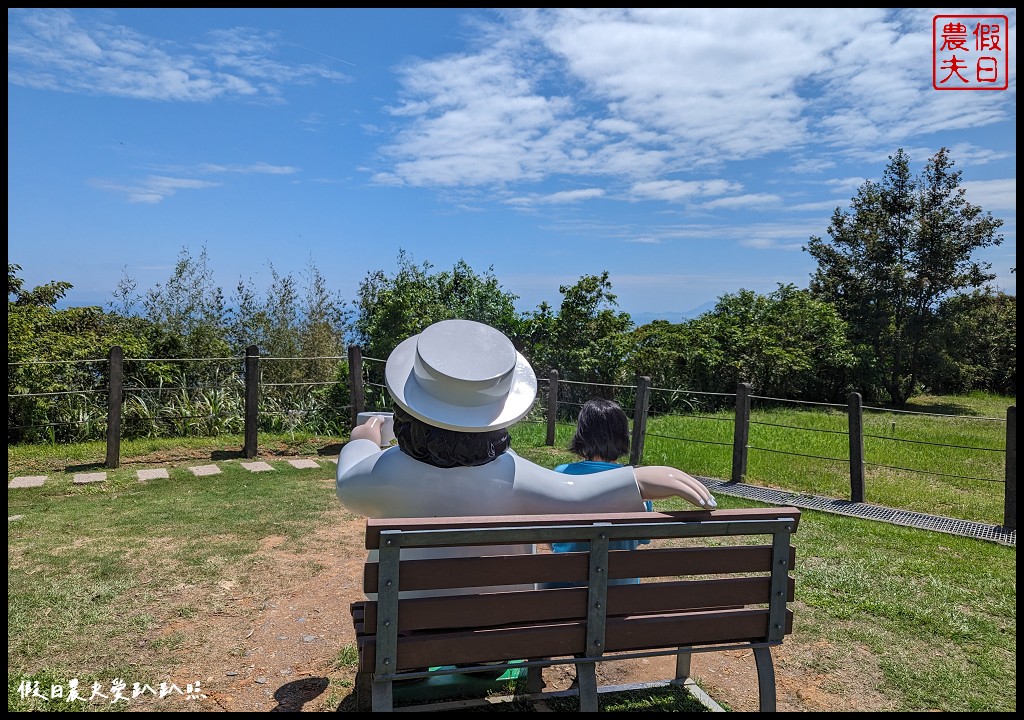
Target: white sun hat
[[461, 375]]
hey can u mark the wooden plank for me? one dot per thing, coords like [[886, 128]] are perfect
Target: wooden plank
[[375, 525], [570, 604], [451, 573], [644, 632]]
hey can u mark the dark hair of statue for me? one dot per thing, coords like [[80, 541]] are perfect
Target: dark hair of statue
[[602, 431], [447, 448]]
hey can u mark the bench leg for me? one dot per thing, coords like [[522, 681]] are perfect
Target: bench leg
[[383, 700], [765, 678], [364, 692], [683, 664], [586, 676]]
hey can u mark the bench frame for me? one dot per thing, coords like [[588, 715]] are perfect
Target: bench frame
[[748, 610]]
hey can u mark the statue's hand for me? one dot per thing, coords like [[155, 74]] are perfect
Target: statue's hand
[[370, 430], [659, 481]]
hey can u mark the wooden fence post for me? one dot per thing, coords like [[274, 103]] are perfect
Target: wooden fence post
[[643, 399], [115, 398], [855, 422], [356, 393], [552, 406], [252, 400], [1010, 491], [741, 432]]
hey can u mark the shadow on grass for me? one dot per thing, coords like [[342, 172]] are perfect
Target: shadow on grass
[[330, 450], [87, 467], [226, 455]]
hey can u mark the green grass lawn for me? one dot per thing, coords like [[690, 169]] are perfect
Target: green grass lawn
[[926, 620], [953, 466]]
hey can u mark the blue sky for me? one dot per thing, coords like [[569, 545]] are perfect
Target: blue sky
[[690, 153]]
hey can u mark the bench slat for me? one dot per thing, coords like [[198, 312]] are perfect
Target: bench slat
[[374, 526], [494, 609], [647, 632], [447, 573]]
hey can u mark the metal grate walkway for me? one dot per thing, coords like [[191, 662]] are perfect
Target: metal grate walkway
[[966, 528]]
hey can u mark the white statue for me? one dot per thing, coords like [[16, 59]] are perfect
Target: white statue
[[457, 387]]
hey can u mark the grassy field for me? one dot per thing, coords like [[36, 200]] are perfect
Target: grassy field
[[925, 620], [952, 466]]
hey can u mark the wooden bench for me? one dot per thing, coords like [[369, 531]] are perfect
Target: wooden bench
[[700, 592]]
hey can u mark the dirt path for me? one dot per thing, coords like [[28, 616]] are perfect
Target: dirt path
[[274, 645]]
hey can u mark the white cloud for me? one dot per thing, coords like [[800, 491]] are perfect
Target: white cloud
[[993, 195], [558, 198], [811, 165], [845, 185], [153, 189], [825, 206], [676, 190], [752, 200], [259, 168], [57, 50], [658, 93], [767, 243]]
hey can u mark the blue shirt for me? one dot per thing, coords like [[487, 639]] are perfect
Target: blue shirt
[[586, 467]]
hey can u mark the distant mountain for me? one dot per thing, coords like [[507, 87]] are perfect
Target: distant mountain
[[673, 317]]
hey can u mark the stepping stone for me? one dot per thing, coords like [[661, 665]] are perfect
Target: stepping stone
[[200, 470], [83, 478], [12, 518], [257, 467], [152, 474], [303, 463], [27, 481]]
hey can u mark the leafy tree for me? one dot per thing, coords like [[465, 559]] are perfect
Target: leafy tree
[[300, 331], [57, 372], [889, 262], [188, 311], [786, 344], [659, 350], [273, 324], [248, 322], [323, 327], [391, 308], [587, 340], [975, 346], [46, 295]]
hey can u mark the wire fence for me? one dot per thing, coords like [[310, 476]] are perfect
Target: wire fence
[[159, 397]]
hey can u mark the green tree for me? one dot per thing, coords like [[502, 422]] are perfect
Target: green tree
[[295, 320], [660, 350], [299, 328], [187, 313], [905, 246], [587, 340], [786, 344], [391, 308], [975, 346], [46, 295], [57, 370], [324, 325]]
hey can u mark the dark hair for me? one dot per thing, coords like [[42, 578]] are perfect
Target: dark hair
[[447, 448], [602, 431]]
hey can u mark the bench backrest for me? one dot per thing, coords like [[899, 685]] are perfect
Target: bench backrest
[[694, 592]]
